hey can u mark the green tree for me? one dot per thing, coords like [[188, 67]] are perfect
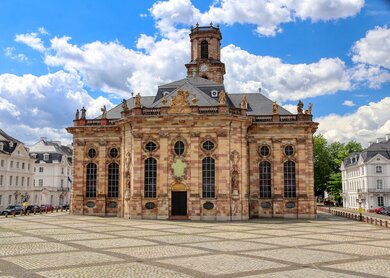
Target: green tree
[[322, 164]]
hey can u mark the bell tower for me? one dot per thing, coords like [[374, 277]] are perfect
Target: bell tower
[[206, 54]]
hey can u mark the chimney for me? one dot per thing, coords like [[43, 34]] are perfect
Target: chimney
[[377, 140], [387, 137]]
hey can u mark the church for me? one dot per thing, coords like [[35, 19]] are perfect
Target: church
[[195, 151]]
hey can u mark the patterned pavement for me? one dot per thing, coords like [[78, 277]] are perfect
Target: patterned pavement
[[63, 245]]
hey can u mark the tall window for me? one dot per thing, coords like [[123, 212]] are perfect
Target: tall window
[[113, 180], [265, 179], [10, 180], [150, 178], [91, 181], [1, 179], [289, 180], [204, 50], [208, 177], [378, 169], [380, 201], [379, 184]]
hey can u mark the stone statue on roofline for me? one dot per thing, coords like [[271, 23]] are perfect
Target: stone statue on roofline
[[300, 107], [309, 109], [83, 113], [104, 112], [77, 116], [243, 102], [124, 106], [275, 108], [222, 98], [137, 102]]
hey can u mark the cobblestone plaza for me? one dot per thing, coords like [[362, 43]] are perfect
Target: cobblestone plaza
[[63, 245]]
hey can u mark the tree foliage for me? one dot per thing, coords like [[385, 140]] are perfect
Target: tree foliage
[[327, 162]]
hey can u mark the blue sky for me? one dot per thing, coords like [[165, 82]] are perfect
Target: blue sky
[[57, 56]]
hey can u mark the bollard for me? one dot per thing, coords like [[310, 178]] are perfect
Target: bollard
[[52, 210], [35, 211], [61, 209], [13, 213], [6, 215], [386, 224], [57, 209], [380, 222]]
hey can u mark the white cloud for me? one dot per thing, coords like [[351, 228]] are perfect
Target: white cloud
[[10, 53], [32, 40], [366, 124], [348, 103], [44, 104], [42, 31], [368, 75], [115, 69], [247, 72], [266, 15], [374, 48], [291, 108]]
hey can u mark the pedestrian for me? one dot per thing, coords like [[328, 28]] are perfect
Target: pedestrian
[[25, 205]]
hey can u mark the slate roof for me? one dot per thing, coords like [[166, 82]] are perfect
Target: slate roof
[[201, 88], [9, 143], [54, 149], [382, 148]]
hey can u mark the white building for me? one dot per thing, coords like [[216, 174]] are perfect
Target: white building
[[366, 177], [52, 173], [16, 171]]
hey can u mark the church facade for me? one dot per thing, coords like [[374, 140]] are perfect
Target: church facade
[[194, 151]]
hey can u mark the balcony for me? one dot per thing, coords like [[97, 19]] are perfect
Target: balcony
[[375, 190]]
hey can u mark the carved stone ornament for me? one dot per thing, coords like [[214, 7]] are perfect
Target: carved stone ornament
[[104, 112], [235, 157], [102, 142], [137, 134], [309, 109], [163, 134], [125, 108], [194, 134], [194, 100], [222, 133], [180, 103], [79, 142], [77, 116], [178, 168]]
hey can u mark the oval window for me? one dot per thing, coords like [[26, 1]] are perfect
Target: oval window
[[208, 145], [150, 146], [179, 148], [91, 153], [264, 151], [289, 150], [114, 152]]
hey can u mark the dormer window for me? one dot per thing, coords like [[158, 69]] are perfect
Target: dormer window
[[34, 155], [165, 93], [1, 146], [46, 156], [214, 93]]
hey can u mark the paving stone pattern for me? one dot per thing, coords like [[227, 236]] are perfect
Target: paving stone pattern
[[63, 245]]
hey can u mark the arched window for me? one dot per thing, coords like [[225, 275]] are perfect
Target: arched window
[[90, 191], [113, 180], [204, 50], [208, 177], [150, 178], [289, 180], [265, 179]]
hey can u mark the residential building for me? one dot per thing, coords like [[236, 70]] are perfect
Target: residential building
[[52, 173], [16, 171], [366, 177], [194, 151]]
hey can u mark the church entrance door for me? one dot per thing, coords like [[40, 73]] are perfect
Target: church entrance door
[[179, 203]]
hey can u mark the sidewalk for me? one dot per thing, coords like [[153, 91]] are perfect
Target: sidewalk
[[365, 213]]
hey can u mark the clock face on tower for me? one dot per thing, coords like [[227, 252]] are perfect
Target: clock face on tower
[[203, 67]]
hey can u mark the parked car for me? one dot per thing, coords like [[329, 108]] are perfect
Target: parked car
[[11, 209], [31, 208], [385, 211], [379, 209], [328, 203], [47, 208]]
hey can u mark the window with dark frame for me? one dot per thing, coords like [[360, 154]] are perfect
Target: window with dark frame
[[204, 50], [378, 169], [179, 148], [150, 181], [265, 179], [289, 179], [208, 177], [380, 201], [113, 180], [90, 191]]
